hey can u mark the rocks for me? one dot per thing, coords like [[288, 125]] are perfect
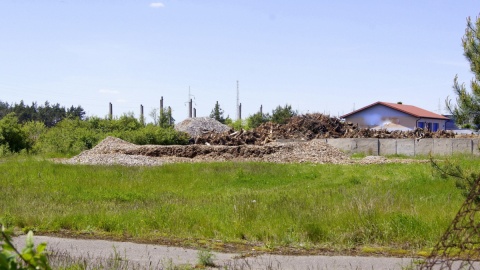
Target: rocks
[[200, 125]]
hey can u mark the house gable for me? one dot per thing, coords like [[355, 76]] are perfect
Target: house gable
[[383, 115]]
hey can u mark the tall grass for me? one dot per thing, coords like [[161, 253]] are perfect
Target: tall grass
[[404, 206]]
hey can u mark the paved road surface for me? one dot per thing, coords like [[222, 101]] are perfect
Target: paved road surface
[[157, 257]]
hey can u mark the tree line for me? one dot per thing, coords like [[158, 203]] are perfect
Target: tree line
[[48, 114], [280, 115]]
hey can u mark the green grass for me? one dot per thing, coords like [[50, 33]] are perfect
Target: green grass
[[393, 206]]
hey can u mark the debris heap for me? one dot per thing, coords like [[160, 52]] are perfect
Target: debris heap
[[307, 127], [116, 151]]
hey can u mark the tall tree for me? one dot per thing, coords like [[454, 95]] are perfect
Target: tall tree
[[166, 119], [155, 116], [467, 107], [217, 113], [281, 115], [257, 119]]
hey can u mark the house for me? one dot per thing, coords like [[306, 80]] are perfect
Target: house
[[395, 116]]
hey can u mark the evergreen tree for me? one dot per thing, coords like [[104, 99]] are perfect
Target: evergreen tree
[[217, 113], [281, 115], [467, 107], [257, 119], [166, 119]]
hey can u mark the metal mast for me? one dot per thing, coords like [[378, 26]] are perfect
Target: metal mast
[[238, 102]]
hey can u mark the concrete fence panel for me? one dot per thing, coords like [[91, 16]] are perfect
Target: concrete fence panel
[[424, 147], [475, 145], [368, 146], [387, 147], [442, 146], [346, 145], [406, 147], [462, 146]]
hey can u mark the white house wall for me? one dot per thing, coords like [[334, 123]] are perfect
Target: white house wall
[[380, 115]]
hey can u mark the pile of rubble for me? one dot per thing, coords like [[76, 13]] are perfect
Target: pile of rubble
[[200, 125], [116, 151], [113, 151], [307, 127]]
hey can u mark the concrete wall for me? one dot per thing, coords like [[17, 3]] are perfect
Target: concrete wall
[[408, 147]]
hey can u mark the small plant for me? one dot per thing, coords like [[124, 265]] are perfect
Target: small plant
[[205, 258], [29, 258]]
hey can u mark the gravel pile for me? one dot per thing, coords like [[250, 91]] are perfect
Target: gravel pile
[[87, 158], [116, 151], [200, 125]]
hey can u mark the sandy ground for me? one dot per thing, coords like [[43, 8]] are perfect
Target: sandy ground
[[159, 257]]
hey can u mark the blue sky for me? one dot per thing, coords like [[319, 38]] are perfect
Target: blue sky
[[317, 56]]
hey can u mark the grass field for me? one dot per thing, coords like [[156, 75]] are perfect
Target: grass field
[[307, 207]]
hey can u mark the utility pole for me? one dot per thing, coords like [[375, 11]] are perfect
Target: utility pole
[[238, 102], [161, 109], [110, 111], [142, 121], [190, 103]]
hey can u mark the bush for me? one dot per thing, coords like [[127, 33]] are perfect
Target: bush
[[153, 135], [238, 124], [29, 258], [69, 137], [257, 119], [12, 136]]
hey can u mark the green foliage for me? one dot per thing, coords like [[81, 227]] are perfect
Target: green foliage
[[238, 124], [69, 137], [166, 120], [12, 136], [33, 131], [217, 113], [30, 258], [257, 119], [467, 107], [49, 114], [281, 115], [205, 258], [154, 135]]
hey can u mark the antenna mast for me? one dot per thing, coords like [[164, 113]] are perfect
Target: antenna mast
[[238, 102]]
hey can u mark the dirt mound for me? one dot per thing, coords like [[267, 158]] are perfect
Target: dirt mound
[[308, 127], [200, 125], [115, 151]]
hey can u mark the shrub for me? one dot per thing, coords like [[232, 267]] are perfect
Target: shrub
[[29, 258], [11, 133]]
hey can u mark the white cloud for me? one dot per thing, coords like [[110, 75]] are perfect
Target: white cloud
[[157, 5], [107, 91], [121, 100]]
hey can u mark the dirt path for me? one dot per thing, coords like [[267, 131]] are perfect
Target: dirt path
[[142, 256]]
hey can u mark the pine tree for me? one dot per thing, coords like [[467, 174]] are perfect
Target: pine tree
[[467, 107], [217, 113]]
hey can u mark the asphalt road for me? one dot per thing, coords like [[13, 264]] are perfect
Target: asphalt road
[[143, 256]]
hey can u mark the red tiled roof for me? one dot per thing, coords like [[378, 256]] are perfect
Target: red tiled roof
[[408, 109]]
